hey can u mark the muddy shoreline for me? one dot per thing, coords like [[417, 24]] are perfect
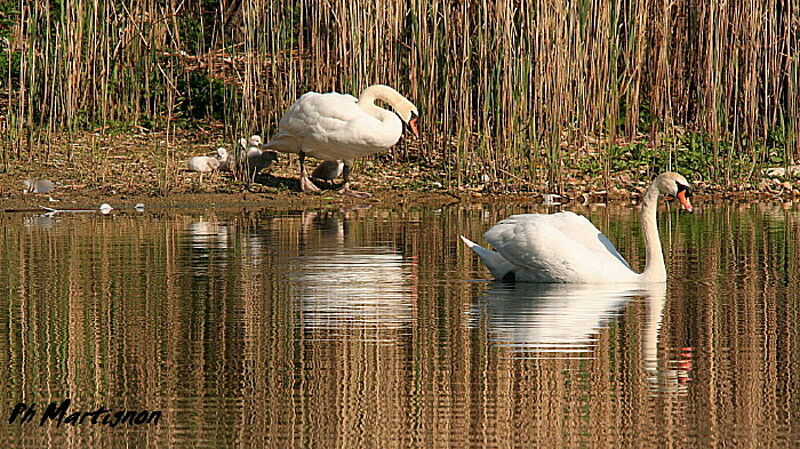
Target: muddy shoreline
[[280, 200], [89, 169], [332, 200]]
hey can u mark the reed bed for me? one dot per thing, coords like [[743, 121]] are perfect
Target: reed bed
[[509, 91]]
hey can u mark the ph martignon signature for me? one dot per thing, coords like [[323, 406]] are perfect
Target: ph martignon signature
[[24, 413]]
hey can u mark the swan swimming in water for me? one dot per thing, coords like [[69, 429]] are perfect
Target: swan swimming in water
[[568, 248], [333, 127]]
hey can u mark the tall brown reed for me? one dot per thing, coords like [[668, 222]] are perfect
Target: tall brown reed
[[506, 88]]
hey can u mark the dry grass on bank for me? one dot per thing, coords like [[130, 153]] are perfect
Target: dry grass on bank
[[506, 89], [152, 164]]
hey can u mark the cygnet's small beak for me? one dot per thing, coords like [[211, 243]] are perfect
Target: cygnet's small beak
[[413, 125], [685, 203]]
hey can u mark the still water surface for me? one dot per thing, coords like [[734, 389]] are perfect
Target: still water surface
[[375, 327]]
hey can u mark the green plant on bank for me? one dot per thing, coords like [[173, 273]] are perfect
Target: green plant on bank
[[691, 154], [504, 87], [9, 61]]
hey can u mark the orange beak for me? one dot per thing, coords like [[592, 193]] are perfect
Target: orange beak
[[413, 125], [685, 204]]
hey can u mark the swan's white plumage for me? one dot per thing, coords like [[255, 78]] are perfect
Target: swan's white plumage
[[568, 248], [561, 247], [203, 164], [499, 266], [333, 126]]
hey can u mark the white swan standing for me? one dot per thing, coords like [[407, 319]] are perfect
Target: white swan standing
[[333, 126], [568, 248]]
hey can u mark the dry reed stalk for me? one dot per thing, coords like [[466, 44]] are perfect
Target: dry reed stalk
[[506, 87]]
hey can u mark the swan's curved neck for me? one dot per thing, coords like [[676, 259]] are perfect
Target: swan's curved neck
[[654, 269], [378, 92]]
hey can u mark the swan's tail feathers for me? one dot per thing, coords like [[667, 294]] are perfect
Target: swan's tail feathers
[[285, 143], [496, 263], [469, 243]]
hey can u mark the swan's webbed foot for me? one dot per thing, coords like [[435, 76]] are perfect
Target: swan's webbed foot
[[308, 186], [346, 190]]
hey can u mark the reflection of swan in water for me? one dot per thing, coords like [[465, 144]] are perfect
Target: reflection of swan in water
[[204, 234], [342, 285], [559, 318], [563, 320], [663, 375], [45, 221]]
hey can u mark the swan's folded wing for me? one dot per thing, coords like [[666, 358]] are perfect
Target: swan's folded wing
[[582, 231], [328, 126], [557, 250], [341, 122], [315, 114]]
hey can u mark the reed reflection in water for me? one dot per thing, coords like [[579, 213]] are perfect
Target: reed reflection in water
[[367, 328]]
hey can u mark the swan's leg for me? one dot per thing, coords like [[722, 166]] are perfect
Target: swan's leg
[[345, 189], [252, 171], [305, 184]]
